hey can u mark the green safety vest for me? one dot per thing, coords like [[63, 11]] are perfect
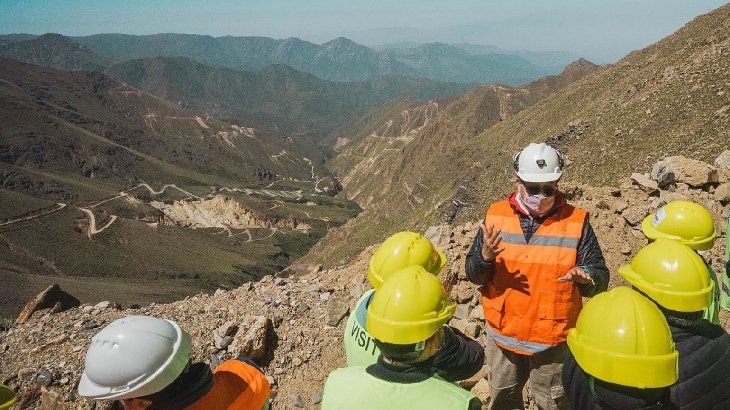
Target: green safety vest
[[360, 348], [725, 295], [353, 388], [712, 313]]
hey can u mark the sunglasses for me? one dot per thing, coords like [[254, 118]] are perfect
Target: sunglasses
[[547, 190]]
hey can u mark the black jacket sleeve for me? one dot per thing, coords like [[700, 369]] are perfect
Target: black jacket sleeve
[[590, 258], [459, 358], [478, 271]]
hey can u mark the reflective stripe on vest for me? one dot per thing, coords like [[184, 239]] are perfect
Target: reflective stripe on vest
[[514, 344], [360, 349], [526, 309], [540, 240], [353, 388], [712, 313], [237, 385]]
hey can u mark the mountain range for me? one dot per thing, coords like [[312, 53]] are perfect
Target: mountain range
[[339, 60], [276, 97]]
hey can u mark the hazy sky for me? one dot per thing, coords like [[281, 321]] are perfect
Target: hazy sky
[[603, 30]]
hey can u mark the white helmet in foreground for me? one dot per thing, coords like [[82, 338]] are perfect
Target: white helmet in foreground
[[134, 357], [539, 163]]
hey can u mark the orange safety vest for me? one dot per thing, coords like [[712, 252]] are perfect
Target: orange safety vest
[[237, 386], [525, 307]]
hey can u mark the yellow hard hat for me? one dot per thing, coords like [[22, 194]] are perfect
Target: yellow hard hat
[[401, 250], [621, 337], [409, 307], [7, 397], [672, 274], [684, 221]]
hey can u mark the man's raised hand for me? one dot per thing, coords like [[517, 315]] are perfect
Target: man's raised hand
[[491, 239]]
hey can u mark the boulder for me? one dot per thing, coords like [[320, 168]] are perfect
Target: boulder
[[470, 329], [51, 400], [434, 233], [51, 298], [297, 401], [644, 183], [336, 310], [723, 160], [618, 205], [681, 169], [227, 329], [462, 311], [477, 314], [722, 193], [297, 269], [634, 214], [252, 338], [462, 292]]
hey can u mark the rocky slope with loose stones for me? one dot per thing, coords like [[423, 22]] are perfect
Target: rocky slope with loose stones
[[292, 323]]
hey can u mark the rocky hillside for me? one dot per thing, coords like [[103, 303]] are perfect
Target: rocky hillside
[[276, 97], [101, 180], [377, 140], [91, 125], [292, 322], [51, 50], [670, 98]]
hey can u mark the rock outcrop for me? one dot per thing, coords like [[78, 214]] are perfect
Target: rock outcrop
[[219, 211], [52, 298]]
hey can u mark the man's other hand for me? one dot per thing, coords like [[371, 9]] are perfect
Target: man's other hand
[[577, 275]]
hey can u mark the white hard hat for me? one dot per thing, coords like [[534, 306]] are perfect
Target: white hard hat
[[134, 357], [538, 163]]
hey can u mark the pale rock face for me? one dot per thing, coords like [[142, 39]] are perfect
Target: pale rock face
[[722, 193], [252, 338], [685, 170], [219, 212], [645, 183], [723, 160]]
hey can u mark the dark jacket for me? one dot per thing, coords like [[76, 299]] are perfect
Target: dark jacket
[[459, 358], [590, 257], [576, 384], [704, 365]]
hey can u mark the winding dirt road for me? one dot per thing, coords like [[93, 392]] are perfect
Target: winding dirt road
[[58, 207], [93, 230]]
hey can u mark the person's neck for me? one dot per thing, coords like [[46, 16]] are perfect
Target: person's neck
[[186, 389], [396, 363]]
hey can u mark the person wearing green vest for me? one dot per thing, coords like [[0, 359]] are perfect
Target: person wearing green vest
[[725, 295], [692, 225], [406, 316], [400, 250]]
